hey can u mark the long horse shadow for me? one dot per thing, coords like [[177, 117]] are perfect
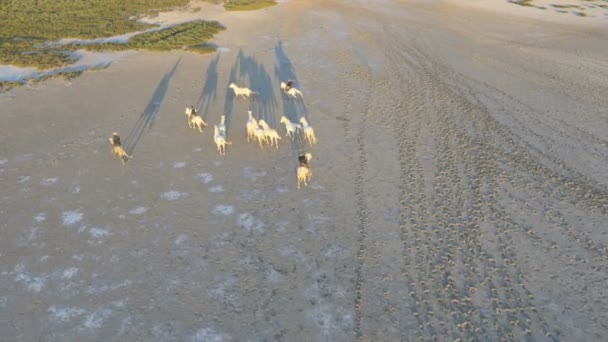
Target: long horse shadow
[[230, 96], [293, 109], [147, 117], [263, 104], [209, 92]]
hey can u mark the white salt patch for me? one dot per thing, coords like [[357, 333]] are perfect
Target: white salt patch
[[125, 326], [138, 210], [216, 189], [44, 258], [97, 290], [207, 335], [20, 267], [198, 149], [253, 174], [178, 165], [23, 179], [77, 257], [40, 217], [99, 232], [317, 186], [222, 209], [95, 320], [223, 49], [71, 217], [64, 314], [3, 161], [274, 276], [76, 189], [48, 181], [250, 223], [248, 195], [323, 317], [181, 238], [22, 158], [173, 195], [33, 233], [36, 284], [294, 254], [204, 177], [69, 273], [118, 303], [33, 284]]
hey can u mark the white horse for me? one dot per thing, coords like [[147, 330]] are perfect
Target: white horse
[[303, 172], [251, 125], [290, 127], [309, 132], [271, 134], [244, 92], [194, 120], [260, 135], [291, 91], [220, 140], [222, 125]]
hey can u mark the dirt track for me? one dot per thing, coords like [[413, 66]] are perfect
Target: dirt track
[[459, 188]]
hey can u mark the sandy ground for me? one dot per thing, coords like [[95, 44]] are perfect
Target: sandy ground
[[591, 13], [459, 187]]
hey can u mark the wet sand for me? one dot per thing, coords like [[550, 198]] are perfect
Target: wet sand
[[459, 185]]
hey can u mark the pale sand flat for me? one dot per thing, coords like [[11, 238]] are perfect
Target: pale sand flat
[[458, 189]]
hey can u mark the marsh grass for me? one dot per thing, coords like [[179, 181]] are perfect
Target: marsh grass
[[29, 26], [32, 52], [30, 30], [86, 19], [192, 36], [522, 2], [8, 85], [248, 5], [66, 75]]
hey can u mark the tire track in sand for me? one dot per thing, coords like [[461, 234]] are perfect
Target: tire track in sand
[[358, 144], [358, 90], [446, 234]]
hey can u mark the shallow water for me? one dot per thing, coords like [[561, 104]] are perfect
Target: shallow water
[[86, 60]]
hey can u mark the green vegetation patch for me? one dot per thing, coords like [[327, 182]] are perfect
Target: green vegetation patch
[[527, 3], [33, 52], [55, 19], [191, 35], [29, 28], [7, 85], [67, 75], [248, 5]]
